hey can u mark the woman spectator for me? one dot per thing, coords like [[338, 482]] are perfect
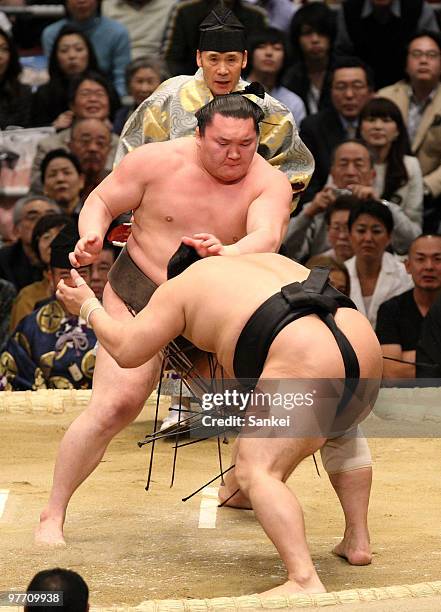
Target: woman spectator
[[90, 96], [15, 98], [398, 175], [143, 76], [267, 60], [43, 233], [312, 34], [375, 274], [63, 180], [71, 55]]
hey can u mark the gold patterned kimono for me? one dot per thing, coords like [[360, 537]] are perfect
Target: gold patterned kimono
[[169, 113]]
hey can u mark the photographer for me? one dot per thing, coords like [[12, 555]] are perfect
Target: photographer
[[352, 173]]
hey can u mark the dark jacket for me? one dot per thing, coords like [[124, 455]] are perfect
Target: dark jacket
[[15, 106], [16, 268], [296, 79], [321, 133]]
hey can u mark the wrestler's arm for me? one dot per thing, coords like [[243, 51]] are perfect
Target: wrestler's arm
[[135, 342], [131, 343], [119, 192], [267, 219]]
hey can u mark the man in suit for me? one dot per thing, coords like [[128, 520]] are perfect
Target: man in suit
[[351, 88], [419, 99]]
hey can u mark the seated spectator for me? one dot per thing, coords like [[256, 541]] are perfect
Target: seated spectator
[[99, 269], [109, 38], [7, 295], [336, 218], [375, 274], [51, 349], [267, 60], [18, 263], [74, 588], [400, 319], [45, 230], [352, 170], [351, 88], [419, 100], [145, 21], [182, 35], [71, 55], [63, 180], [143, 76], [91, 143], [398, 176], [90, 96], [428, 352], [312, 34], [377, 31], [15, 98], [338, 273]]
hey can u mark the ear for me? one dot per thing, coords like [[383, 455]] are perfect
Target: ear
[[407, 265], [198, 137], [245, 59], [199, 58], [82, 180]]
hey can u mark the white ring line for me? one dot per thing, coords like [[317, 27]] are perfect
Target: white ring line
[[4, 494], [208, 508]]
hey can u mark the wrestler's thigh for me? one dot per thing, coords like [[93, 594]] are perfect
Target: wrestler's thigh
[[276, 456], [121, 391]]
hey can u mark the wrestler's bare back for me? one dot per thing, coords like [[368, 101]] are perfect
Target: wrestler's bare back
[[216, 311], [173, 195]]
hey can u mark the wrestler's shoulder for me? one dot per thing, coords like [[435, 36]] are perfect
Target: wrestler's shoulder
[[264, 169]]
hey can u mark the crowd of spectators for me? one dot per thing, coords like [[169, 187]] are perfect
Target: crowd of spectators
[[369, 113]]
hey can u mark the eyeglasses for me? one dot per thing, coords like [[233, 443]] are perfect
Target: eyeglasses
[[89, 93], [418, 54]]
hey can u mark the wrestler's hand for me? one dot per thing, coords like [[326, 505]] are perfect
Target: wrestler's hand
[[205, 245], [73, 293], [86, 250]]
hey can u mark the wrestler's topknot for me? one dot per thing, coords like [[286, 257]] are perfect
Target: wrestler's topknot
[[230, 105]]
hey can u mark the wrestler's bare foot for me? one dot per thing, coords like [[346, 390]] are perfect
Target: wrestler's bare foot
[[50, 531], [355, 548], [239, 500], [291, 587]]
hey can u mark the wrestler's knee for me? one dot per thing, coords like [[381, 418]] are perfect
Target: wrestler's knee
[[346, 453]]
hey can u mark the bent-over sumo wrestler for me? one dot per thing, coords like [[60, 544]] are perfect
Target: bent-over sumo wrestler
[[215, 183], [278, 329]]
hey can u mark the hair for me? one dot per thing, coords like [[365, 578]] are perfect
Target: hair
[[342, 202], [230, 105], [435, 36], [374, 208], [184, 257], [352, 62], [153, 63], [74, 588], [43, 225], [54, 68], [9, 81], [21, 203], [55, 154], [424, 235], [92, 75], [79, 120], [319, 18], [271, 36], [396, 173], [323, 261], [352, 141]]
